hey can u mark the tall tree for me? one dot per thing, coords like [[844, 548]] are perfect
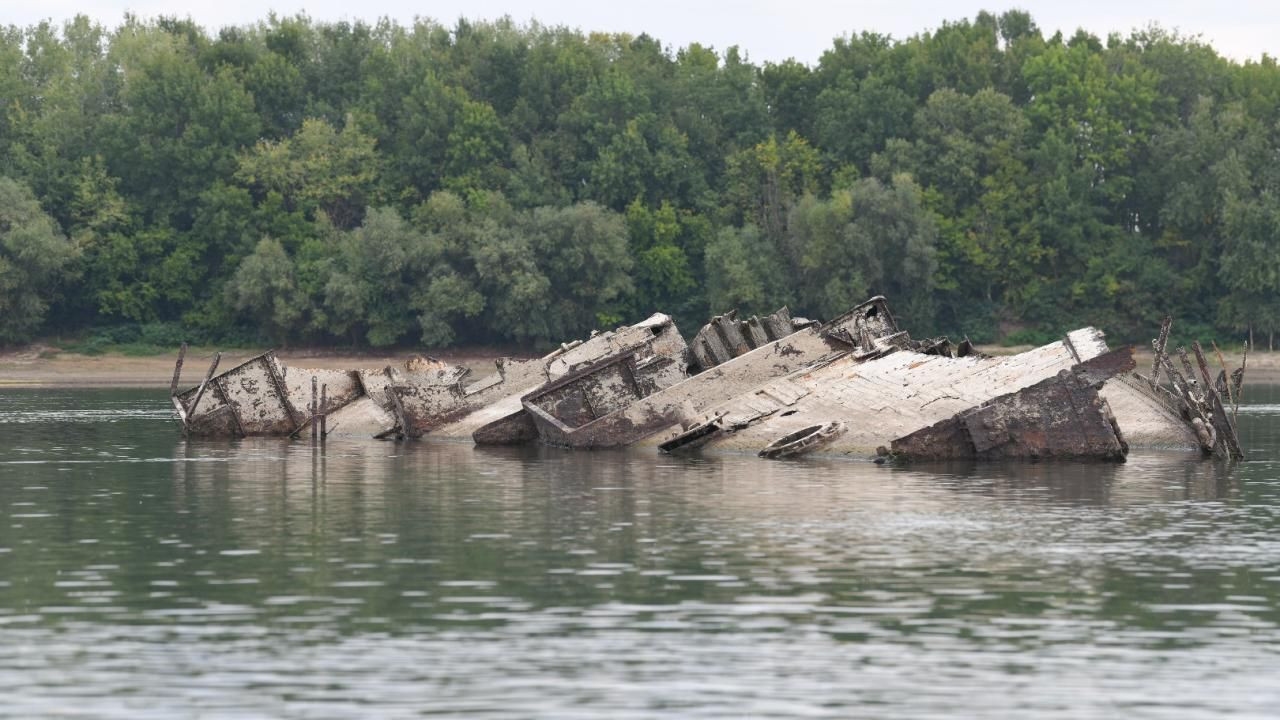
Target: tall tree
[[33, 256], [319, 169]]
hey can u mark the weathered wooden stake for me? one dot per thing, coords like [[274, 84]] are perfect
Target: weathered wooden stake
[[315, 408], [324, 391]]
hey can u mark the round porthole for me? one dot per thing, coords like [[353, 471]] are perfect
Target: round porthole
[[802, 441]]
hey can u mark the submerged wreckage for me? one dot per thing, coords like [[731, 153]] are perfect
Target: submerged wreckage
[[776, 385]]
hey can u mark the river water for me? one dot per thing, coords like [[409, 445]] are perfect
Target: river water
[[145, 576]]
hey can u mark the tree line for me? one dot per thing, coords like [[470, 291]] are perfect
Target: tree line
[[307, 182]]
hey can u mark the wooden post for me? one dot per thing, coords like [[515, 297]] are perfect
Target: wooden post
[[315, 408], [324, 391]]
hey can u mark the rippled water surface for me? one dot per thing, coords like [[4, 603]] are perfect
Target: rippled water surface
[[144, 576]]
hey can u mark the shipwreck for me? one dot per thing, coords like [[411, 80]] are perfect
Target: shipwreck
[[778, 386]]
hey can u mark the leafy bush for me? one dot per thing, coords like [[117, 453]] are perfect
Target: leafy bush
[[142, 339], [1031, 336]]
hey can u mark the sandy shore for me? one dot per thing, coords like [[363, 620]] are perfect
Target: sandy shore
[[1263, 368], [40, 366]]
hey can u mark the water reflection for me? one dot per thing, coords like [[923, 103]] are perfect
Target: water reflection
[[1148, 476], [267, 577]]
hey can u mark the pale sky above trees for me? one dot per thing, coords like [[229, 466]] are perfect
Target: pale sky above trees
[[768, 30]]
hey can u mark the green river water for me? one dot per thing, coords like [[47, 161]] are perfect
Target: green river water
[[145, 576]]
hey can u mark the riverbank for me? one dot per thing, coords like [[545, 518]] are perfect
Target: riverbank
[[1263, 368], [42, 366]]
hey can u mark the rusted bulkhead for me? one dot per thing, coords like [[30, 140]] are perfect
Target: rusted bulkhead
[[868, 327], [263, 397], [250, 399], [564, 405], [894, 394], [1059, 417], [600, 407], [726, 337], [630, 420]]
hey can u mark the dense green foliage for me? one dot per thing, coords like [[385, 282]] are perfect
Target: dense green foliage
[[33, 259], [306, 182]]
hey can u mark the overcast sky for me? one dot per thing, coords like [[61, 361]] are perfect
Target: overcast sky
[[773, 30]]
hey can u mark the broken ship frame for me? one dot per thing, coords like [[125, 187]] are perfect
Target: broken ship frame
[[775, 385]]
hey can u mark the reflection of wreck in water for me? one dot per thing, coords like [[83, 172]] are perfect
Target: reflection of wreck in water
[[776, 385]]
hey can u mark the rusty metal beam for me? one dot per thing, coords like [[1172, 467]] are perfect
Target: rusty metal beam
[[1226, 381], [269, 359], [213, 367], [324, 391], [177, 370], [315, 408], [1160, 345], [221, 393]]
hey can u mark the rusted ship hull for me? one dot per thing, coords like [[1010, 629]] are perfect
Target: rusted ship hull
[[780, 386]]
